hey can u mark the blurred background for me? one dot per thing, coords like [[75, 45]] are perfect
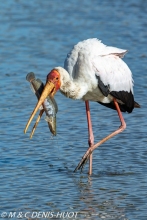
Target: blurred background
[[37, 174]]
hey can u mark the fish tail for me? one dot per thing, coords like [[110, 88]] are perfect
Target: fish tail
[[30, 76]]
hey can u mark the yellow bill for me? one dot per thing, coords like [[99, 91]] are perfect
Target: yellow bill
[[48, 89]]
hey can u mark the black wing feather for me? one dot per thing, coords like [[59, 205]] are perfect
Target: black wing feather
[[126, 97], [111, 105], [104, 89]]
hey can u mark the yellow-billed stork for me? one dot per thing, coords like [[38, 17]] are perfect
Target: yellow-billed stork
[[93, 72]]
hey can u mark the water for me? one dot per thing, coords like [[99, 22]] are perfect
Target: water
[[37, 175]]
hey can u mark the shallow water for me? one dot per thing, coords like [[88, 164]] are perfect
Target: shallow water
[[37, 175]]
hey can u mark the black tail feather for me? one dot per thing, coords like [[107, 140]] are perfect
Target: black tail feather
[[136, 105], [122, 107]]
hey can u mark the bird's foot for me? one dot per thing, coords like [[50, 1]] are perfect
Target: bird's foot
[[83, 160]]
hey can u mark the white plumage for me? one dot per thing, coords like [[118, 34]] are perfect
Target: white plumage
[[91, 57], [90, 62]]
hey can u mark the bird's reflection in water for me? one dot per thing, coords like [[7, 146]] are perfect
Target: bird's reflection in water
[[86, 195], [107, 206]]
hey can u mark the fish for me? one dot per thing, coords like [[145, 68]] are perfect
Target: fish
[[49, 106]]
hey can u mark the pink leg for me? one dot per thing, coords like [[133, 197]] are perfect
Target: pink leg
[[90, 133], [90, 150]]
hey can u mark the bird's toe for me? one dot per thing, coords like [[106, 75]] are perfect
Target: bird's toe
[[83, 161]]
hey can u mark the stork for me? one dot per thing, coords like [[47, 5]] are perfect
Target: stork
[[93, 72]]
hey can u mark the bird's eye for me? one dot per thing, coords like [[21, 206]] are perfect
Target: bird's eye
[[57, 78]]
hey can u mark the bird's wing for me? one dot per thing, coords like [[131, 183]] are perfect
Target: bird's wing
[[114, 78], [113, 51], [87, 50], [113, 72]]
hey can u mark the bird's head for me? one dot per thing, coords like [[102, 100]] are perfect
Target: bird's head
[[51, 87], [54, 78], [53, 83]]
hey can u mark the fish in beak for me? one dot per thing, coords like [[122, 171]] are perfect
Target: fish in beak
[[49, 106], [50, 88]]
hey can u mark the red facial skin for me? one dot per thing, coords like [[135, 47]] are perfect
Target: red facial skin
[[54, 77]]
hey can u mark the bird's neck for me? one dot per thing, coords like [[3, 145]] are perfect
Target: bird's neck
[[72, 88]]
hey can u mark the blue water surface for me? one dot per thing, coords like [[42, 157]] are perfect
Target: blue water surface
[[37, 175]]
